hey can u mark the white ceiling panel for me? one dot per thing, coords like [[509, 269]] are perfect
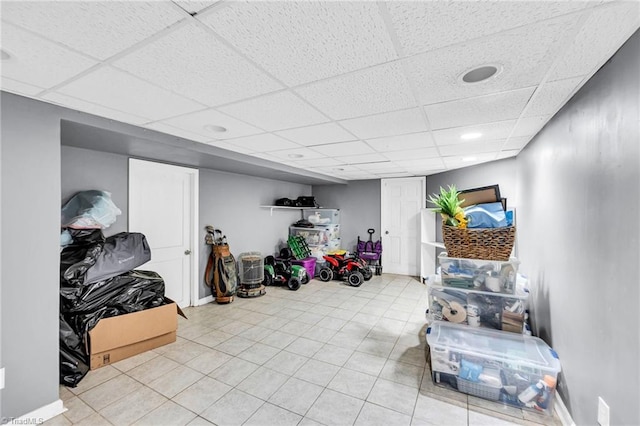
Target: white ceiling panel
[[602, 34], [344, 148], [80, 105], [14, 86], [170, 130], [320, 162], [296, 154], [200, 122], [517, 143], [194, 6], [275, 111], [193, 62], [470, 148], [127, 93], [363, 158], [409, 154], [317, 135], [529, 126], [265, 142], [231, 147], [314, 40], [421, 164], [370, 91], [487, 132], [507, 154], [393, 175], [30, 53], [457, 162], [387, 124], [401, 142], [98, 28], [426, 25], [483, 109], [551, 96], [523, 57], [385, 166]]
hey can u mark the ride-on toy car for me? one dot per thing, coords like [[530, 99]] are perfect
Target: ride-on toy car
[[340, 267], [281, 271]]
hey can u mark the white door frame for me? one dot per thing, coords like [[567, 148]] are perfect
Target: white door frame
[[195, 192]]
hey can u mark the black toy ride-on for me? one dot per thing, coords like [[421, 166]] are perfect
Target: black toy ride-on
[[281, 271], [349, 269]]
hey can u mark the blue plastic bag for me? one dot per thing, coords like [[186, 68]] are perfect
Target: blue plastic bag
[[91, 209], [488, 215]]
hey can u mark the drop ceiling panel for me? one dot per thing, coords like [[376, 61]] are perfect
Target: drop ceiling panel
[[14, 86], [317, 135], [401, 142], [99, 28], [507, 154], [489, 131], [193, 62], [386, 166], [483, 109], [428, 25], [37, 61], [551, 96], [291, 155], [457, 162], [275, 111], [529, 126], [231, 147], [516, 143], [314, 40], [387, 124], [421, 164], [412, 154], [471, 148], [344, 148], [320, 162], [80, 105], [165, 128], [127, 93], [605, 30], [363, 158], [198, 122], [194, 6], [370, 91], [523, 57], [265, 142]]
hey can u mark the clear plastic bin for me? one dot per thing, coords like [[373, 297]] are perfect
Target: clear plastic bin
[[476, 274], [317, 235], [323, 216], [518, 370]]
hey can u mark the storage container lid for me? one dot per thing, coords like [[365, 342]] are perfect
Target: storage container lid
[[511, 348]]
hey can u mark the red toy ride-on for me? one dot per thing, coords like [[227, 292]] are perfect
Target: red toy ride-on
[[350, 269]]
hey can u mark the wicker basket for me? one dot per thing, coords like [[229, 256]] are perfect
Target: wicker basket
[[479, 243]]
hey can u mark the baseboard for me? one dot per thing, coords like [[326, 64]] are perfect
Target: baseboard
[[41, 414], [205, 300], [562, 412]]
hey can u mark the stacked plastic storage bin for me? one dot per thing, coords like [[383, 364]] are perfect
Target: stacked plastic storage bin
[[478, 335], [324, 237]]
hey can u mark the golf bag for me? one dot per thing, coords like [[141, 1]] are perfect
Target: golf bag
[[221, 273]]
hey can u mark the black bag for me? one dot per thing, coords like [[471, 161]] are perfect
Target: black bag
[[306, 201], [285, 202], [221, 273]]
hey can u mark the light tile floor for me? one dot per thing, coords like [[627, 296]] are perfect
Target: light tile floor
[[326, 354]]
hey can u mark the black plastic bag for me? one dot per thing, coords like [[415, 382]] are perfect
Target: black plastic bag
[[73, 359]]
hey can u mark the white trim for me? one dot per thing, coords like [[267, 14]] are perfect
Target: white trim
[[204, 300], [195, 246], [42, 414], [562, 412]]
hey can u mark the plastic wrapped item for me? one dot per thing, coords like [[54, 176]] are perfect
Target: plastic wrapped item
[[488, 215], [86, 264], [91, 209], [73, 360]]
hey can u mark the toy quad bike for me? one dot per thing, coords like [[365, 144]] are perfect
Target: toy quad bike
[[281, 271], [350, 269]]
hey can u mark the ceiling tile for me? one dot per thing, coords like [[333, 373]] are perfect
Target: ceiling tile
[[427, 25], [36, 61], [363, 158], [320, 162], [231, 147], [265, 142], [483, 109], [100, 28], [352, 34], [489, 131], [370, 91], [165, 128], [470, 148], [551, 96], [275, 111], [529, 126], [385, 166], [604, 31], [508, 154], [394, 175], [387, 124], [517, 143], [523, 57], [80, 105], [401, 142], [296, 154], [14, 86], [198, 122], [412, 154], [457, 162], [193, 62], [344, 148], [421, 164], [317, 135], [194, 6], [123, 92]]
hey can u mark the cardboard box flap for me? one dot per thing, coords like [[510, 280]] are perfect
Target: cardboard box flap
[[122, 330]]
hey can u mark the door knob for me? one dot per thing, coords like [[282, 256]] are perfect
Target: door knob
[[187, 252], [386, 232]]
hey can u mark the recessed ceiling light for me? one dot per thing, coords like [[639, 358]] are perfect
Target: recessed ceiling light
[[467, 159], [470, 136], [4, 55], [215, 129], [295, 155], [482, 73]]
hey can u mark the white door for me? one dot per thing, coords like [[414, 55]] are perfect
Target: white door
[[402, 201], [163, 206]]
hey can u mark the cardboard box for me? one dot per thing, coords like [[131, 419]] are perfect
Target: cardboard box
[[116, 338]]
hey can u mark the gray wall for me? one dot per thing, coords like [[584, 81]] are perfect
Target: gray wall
[[30, 181], [578, 189], [359, 204], [84, 169]]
